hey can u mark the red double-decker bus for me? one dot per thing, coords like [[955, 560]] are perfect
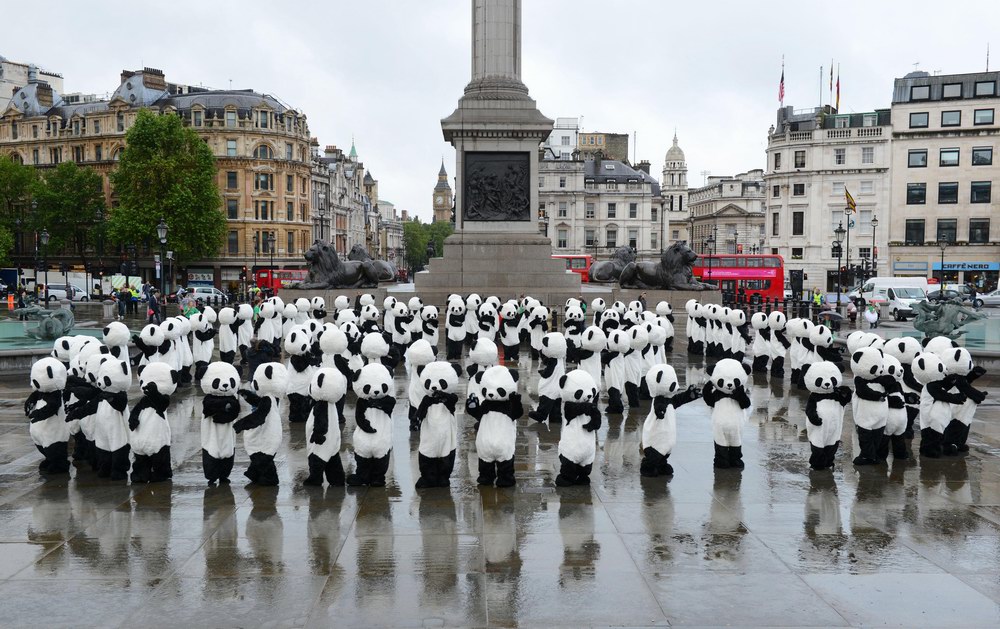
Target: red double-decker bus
[[762, 275], [579, 264], [280, 278]]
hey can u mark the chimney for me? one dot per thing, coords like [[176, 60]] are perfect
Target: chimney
[[32, 74], [598, 156], [643, 166]]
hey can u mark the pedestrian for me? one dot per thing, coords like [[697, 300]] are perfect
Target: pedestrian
[[154, 307], [871, 316], [642, 300]]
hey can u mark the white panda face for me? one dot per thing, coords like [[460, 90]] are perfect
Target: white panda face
[[298, 341], [456, 308], [439, 377], [220, 379], [662, 380], [48, 374], [822, 377], [728, 375], [867, 363], [374, 381], [429, 313], [496, 383]]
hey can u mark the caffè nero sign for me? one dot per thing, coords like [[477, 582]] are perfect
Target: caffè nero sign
[[968, 266]]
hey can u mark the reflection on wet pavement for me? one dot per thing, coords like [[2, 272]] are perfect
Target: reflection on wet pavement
[[914, 543]]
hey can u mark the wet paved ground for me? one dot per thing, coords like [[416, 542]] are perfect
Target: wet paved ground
[[911, 544]]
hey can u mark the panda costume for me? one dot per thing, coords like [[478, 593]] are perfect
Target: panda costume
[[184, 346], [373, 434], [389, 313], [761, 346], [741, 334], [959, 364], [937, 401], [575, 322], [550, 372], [418, 354], [400, 331], [488, 322], [327, 390], [204, 345], [597, 308], [895, 424], [484, 354], [581, 421], [609, 321], [44, 408], [376, 350], [776, 322], [870, 406], [510, 331], [84, 410], [592, 343], [659, 431], [149, 435], [288, 316], [429, 326], [219, 409], [825, 411], [261, 427], [821, 339], [726, 394], [693, 330], [638, 340], [116, 336], [613, 359], [905, 349], [244, 333], [300, 368], [436, 419], [472, 304], [318, 308], [455, 329], [496, 406], [229, 327], [415, 305], [538, 327], [77, 388], [111, 437]]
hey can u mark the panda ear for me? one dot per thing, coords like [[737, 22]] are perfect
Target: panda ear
[[319, 380], [709, 370], [857, 356], [746, 368], [478, 378], [659, 376], [175, 376], [924, 341], [420, 369], [457, 368], [48, 370], [268, 371], [958, 354], [513, 374], [562, 381], [124, 367], [920, 363]]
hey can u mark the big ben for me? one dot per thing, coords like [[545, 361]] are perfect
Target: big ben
[[442, 197]]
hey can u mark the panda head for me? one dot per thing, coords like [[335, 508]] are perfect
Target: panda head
[[698, 310], [414, 305], [438, 376], [822, 377], [610, 318], [114, 376], [279, 304], [618, 341], [494, 301], [484, 353], [892, 366], [289, 311], [629, 319], [302, 305], [728, 375], [638, 337], [928, 367], [332, 341], [267, 310], [367, 299], [867, 363], [345, 316], [472, 302], [270, 379], [663, 309], [574, 313], [940, 345], [573, 302], [799, 328], [593, 339], [220, 379], [958, 361], [635, 306], [315, 329], [689, 307], [903, 348], [539, 313], [758, 321], [553, 345], [153, 335], [821, 336], [199, 323], [244, 312], [369, 313], [210, 315], [374, 346], [456, 307], [737, 317], [429, 313], [776, 321], [488, 311], [115, 334], [578, 386], [63, 349], [619, 307], [328, 385], [726, 315], [399, 310], [93, 365], [598, 305], [341, 302], [420, 353], [508, 311], [184, 325], [298, 342], [496, 383], [662, 381], [374, 381], [351, 331], [388, 303], [158, 378], [318, 304], [227, 316], [47, 375], [857, 340], [657, 332]]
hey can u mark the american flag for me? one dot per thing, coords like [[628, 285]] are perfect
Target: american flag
[[781, 87]]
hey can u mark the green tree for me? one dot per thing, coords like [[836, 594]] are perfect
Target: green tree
[[416, 235], [68, 201], [167, 171], [16, 184]]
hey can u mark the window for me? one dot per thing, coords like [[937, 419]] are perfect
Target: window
[[840, 156], [982, 156], [775, 219], [869, 120], [841, 122], [951, 118], [612, 210], [230, 119], [589, 211], [120, 120], [263, 118], [588, 237], [564, 140], [798, 223], [98, 152], [77, 153], [289, 211], [949, 157], [916, 193], [97, 127], [230, 148], [263, 181], [985, 88], [914, 231], [232, 209], [983, 116], [234, 243], [979, 230], [917, 158], [562, 182], [611, 238], [798, 189], [76, 127], [980, 192], [867, 187], [262, 209], [800, 159], [920, 92], [561, 237], [196, 114], [562, 209], [918, 120], [776, 192], [837, 189], [633, 238], [654, 240], [231, 180], [288, 151], [947, 229], [864, 253], [952, 90], [34, 156], [55, 155], [290, 184], [13, 130], [675, 234], [867, 154], [653, 214], [948, 192], [612, 185], [796, 253], [290, 243], [302, 212], [777, 161], [263, 152], [541, 182], [633, 210]]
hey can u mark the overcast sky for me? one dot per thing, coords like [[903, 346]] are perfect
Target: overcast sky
[[386, 71]]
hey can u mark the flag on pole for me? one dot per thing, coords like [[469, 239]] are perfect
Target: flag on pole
[[831, 74], [781, 85], [838, 87], [851, 205]]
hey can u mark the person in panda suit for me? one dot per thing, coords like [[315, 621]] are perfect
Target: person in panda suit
[[798, 333], [575, 322], [229, 329], [376, 349], [261, 427], [510, 331], [825, 413], [111, 429], [592, 343], [638, 340], [695, 344], [726, 394], [613, 359], [415, 305], [438, 426], [429, 326], [958, 363], [219, 409], [184, 345], [46, 414], [581, 420], [870, 406], [741, 334], [300, 368], [244, 334], [288, 320], [170, 351], [488, 322], [204, 345], [597, 308], [779, 342], [417, 355], [550, 372], [937, 401], [148, 341], [538, 327], [88, 400], [400, 330], [77, 388], [149, 429], [368, 320], [496, 406], [373, 433], [905, 349], [484, 354], [472, 304], [455, 329], [116, 336], [761, 346], [659, 431], [895, 424], [327, 390], [318, 306]]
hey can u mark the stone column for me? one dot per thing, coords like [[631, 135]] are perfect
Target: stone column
[[496, 39]]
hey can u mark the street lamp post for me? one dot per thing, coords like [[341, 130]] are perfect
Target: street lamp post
[[161, 233], [873, 258], [44, 238], [710, 243], [943, 244], [847, 216], [253, 270], [322, 222], [839, 232], [271, 240]]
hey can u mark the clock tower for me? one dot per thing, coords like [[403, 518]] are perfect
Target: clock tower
[[442, 197]]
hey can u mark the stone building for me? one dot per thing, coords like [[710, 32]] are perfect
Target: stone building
[[612, 146], [442, 199], [813, 155], [562, 142], [944, 136], [731, 211], [15, 75], [674, 190]]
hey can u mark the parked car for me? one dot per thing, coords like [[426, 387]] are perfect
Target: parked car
[[67, 291], [948, 293], [207, 294], [991, 299]]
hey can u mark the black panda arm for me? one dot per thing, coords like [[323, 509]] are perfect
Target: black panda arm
[[222, 409], [548, 367], [941, 392], [970, 391], [976, 373], [778, 334], [660, 404], [29, 404], [133, 418], [256, 417], [910, 381], [742, 397], [359, 416], [896, 401], [583, 354], [711, 394], [606, 357], [321, 423], [118, 401], [890, 384], [595, 419], [831, 354], [472, 369], [864, 390], [341, 364], [765, 334], [745, 332], [473, 408], [516, 408], [137, 341], [807, 344], [300, 363], [235, 326], [844, 395], [252, 398], [53, 400], [687, 395], [811, 413], [425, 405], [204, 335], [257, 323]]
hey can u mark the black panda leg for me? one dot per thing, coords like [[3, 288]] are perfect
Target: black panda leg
[[650, 465], [412, 414], [316, 468], [162, 468], [378, 470], [140, 469], [899, 451], [454, 349], [632, 391], [102, 461], [796, 375], [57, 458], [335, 471], [778, 367], [268, 472], [340, 411], [930, 443], [949, 441], [736, 457], [253, 471], [868, 444], [428, 471], [120, 463], [615, 405], [817, 458], [505, 473], [487, 472], [644, 390], [567, 472], [209, 466], [882, 454], [199, 369], [963, 438], [721, 457], [298, 408], [445, 469], [227, 357], [760, 364], [831, 455], [912, 412], [583, 474], [362, 471]]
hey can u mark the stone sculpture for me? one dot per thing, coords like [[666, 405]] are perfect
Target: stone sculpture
[[496, 187], [611, 270], [943, 319], [327, 270], [386, 270], [672, 272], [51, 323]]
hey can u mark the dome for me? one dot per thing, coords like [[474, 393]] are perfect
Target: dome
[[674, 153]]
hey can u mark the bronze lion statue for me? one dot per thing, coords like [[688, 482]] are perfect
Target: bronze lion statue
[[327, 270], [611, 270], [386, 270], [673, 272]]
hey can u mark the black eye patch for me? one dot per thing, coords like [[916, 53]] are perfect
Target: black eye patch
[[502, 392], [579, 394], [368, 388], [444, 385], [216, 383], [721, 382], [819, 382]]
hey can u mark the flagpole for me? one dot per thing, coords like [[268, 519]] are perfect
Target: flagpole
[[831, 81], [821, 87]]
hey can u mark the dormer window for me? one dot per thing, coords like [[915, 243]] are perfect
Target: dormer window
[[196, 115], [231, 119], [263, 118]]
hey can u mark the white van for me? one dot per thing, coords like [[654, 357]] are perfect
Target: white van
[[895, 295]]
